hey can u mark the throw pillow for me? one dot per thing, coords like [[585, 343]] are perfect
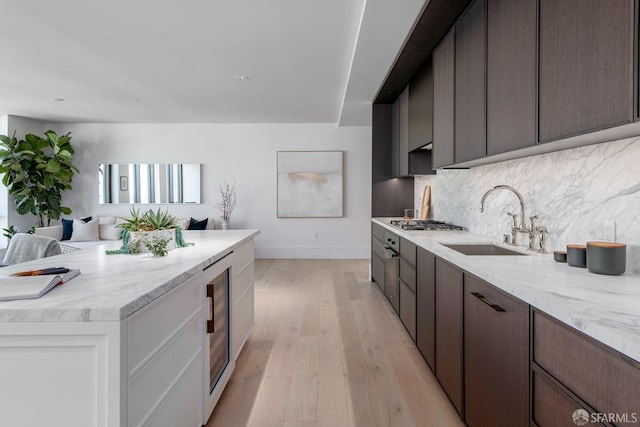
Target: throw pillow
[[183, 223], [109, 232], [67, 227], [85, 231], [194, 224]]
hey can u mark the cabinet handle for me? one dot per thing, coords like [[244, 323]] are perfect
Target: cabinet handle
[[482, 298], [210, 323]]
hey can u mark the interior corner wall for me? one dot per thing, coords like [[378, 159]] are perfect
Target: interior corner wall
[[246, 153]]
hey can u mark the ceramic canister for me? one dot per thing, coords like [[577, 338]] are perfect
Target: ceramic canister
[[606, 257], [577, 255]]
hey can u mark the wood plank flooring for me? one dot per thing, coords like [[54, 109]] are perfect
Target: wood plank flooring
[[328, 350]]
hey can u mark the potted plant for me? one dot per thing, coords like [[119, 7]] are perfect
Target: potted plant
[[36, 172], [228, 193], [154, 232]]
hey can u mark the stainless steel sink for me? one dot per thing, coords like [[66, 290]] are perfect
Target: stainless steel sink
[[481, 249]]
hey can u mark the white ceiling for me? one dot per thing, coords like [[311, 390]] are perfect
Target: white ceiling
[[150, 61]]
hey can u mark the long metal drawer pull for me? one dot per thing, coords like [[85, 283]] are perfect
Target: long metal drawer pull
[[481, 297], [210, 323]]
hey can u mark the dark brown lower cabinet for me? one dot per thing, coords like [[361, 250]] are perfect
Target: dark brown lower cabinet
[[408, 309], [449, 338], [496, 356], [552, 406], [593, 374], [426, 306]]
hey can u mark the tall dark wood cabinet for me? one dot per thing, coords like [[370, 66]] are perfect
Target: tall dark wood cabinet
[[426, 305], [511, 75], [443, 101], [400, 136], [585, 66], [388, 196], [381, 142], [470, 84], [449, 338], [496, 356]]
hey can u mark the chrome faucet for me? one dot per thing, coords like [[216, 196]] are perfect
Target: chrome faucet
[[515, 227]]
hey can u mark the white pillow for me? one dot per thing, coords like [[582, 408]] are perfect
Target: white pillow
[[103, 220], [85, 231], [109, 232], [183, 223], [54, 231]]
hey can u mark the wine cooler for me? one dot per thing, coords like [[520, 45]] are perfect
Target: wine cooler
[[217, 340]]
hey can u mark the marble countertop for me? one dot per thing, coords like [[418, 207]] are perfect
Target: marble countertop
[[111, 287], [606, 308]]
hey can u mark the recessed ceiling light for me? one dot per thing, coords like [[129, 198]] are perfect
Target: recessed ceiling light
[[241, 78], [57, 99]]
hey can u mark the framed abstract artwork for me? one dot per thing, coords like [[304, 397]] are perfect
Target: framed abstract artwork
[[309, 184]]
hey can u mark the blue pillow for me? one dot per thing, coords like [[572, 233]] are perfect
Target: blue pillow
[[194, 224], [67, 227]]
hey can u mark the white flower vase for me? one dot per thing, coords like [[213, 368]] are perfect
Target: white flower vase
[[224, 224], [139, 235]]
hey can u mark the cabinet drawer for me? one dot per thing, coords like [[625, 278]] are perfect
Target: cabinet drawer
[[377, 231], [160, 376], [152, 326], [242, 256], [408, 274], [377, 247], [600, 376], [408, 251], [408, 309], [551, 406]]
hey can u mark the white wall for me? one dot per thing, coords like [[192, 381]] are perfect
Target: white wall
[[569, 190], [246, 152]]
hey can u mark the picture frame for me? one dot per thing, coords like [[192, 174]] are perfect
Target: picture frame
[[124, 183], [310, 184]]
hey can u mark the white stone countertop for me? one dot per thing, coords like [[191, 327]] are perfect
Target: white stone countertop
[[111, 287], [606, 308]]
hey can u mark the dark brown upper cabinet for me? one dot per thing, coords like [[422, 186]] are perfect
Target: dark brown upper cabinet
[[470, 83], [443, 99], [511, 75], [421, 107], [586, 63]]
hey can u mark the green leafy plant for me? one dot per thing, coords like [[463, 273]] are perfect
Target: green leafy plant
[[11, 231], [148, 221], [156, 244], [36, 172]]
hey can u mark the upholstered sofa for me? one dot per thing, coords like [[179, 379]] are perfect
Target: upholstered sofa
[[89, 231]]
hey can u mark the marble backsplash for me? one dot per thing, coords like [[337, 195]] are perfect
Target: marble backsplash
[[569, 191]]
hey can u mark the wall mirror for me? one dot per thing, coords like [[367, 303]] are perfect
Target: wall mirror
[[142, 183]]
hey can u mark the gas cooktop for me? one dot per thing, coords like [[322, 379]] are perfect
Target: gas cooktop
[[423, 224]]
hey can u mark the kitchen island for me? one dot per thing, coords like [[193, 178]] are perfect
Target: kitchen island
[[122, 344]]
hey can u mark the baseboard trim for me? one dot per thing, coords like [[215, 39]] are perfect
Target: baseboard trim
[[358, 252]]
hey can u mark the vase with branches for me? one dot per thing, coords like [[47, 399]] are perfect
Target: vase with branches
[[228, 203]]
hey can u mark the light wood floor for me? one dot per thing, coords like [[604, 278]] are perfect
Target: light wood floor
[[328, 350]]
